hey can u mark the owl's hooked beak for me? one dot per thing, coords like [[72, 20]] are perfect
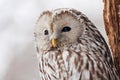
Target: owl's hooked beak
[[53, 39], [54, 42]]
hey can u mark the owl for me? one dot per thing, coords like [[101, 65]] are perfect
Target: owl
[[70, 47]]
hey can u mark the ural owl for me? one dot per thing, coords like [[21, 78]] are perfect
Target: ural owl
[[70, 47]]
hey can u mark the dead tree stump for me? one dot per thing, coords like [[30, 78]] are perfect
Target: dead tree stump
[[112, 27]]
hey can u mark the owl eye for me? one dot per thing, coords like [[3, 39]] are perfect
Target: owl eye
[[46, 32], [66, 29]]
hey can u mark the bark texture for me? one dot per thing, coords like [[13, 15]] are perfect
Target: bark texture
[[112, 26]]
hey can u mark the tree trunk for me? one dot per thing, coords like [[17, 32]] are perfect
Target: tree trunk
[[112, 26]]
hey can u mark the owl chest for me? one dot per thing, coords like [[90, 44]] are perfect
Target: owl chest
[[69, 65], [59, 65]]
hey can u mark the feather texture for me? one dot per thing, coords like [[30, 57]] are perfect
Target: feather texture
[[81, 54]]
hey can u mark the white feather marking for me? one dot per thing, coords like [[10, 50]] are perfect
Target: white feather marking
[[86, 75], [65, 55]]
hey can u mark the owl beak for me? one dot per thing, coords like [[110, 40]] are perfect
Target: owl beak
[[54, 42]]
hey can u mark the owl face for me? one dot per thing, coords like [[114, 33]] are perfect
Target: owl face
[[57, 29]]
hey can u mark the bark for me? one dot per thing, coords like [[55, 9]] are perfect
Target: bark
[[112, 27]]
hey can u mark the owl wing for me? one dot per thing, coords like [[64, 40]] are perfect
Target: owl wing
[[89, 67]]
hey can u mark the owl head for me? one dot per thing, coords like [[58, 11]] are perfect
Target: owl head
[[61, 27]]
